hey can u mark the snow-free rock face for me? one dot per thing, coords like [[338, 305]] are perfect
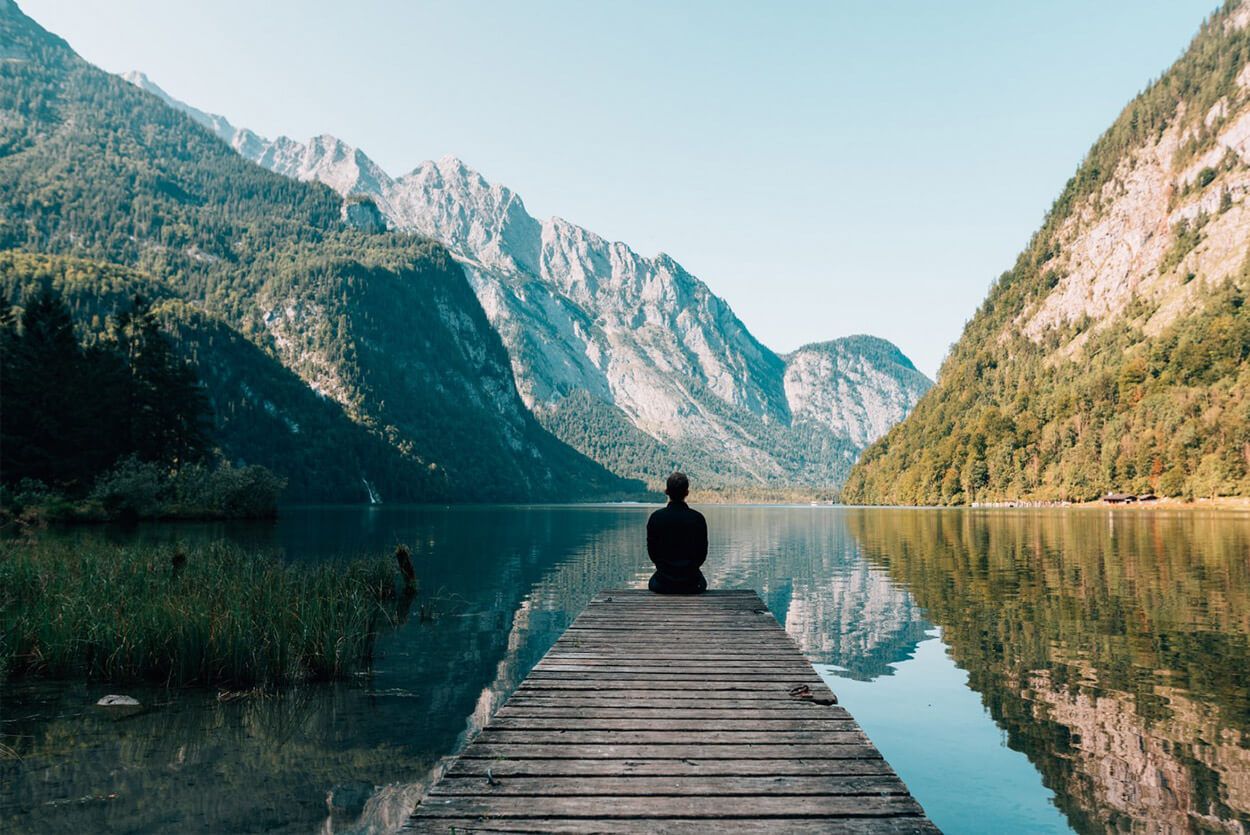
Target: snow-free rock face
[[362, 213], [641, 336], [857, 386]]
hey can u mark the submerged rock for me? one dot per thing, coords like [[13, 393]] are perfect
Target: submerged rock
[[118, 701], [119, 707]]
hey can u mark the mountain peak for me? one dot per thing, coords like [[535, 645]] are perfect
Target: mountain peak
[[879, 350], [219, 125], [451, 162]]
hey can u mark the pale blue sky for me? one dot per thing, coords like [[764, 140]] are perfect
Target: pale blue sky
[[828, 167]]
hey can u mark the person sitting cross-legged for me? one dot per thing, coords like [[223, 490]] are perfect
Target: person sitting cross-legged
[[677, 542]]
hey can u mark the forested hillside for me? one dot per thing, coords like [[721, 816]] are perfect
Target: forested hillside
[[260, 412], [333, 354], [1112, 356]]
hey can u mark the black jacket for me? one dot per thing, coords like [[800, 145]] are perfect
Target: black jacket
[[677, 544]]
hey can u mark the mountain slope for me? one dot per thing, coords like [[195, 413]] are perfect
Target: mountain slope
[[603, 340], [1112, 355], [262, 412], [384, 325]]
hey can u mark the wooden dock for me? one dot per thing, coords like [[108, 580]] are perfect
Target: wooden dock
[[672, 714]]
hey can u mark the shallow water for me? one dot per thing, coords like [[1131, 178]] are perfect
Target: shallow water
[[1022, 670]]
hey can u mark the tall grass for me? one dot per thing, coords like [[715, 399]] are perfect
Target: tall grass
[[213, 614]]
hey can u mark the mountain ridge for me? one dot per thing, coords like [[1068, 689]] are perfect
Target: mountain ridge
[[579, 313]]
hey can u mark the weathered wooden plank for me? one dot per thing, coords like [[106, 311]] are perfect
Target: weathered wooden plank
[[672, 671], [667, 614], [513, 767], [670, 786], [758, 806], [784, 677], [615, 646], [857, 750], [673, 683], [657, 631], [626, 655], [723, 709], [691, 608], [677, 604], [656, 628], [704, 663], [647, 633], [664, 722], [703, 649], [777, 673], [660, 641], [650, 657], [564, 689], [677, 826], [710, 594], [661, 615], [659, 646], [689, 699], [677, 677], [839, 735], [734, 712]]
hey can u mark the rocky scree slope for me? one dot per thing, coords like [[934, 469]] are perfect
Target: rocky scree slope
[[631, 360], [1112, 355]]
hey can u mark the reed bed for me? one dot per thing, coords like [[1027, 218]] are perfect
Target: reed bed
[[215, 614]]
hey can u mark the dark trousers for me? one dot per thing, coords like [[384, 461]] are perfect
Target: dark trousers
[[661, 584]]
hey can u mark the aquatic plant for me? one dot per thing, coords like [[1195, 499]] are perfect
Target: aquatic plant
[[213, 614]]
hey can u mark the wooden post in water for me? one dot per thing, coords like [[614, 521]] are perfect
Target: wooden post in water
[[672, 714], [403, 558]]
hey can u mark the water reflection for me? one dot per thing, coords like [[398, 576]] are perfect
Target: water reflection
[[1113, 656], [1112, 648], [507, 581]]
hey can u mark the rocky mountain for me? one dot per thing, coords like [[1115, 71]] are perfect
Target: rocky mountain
[[365, 351], [1112, 356], [631, 360], [857, 386]]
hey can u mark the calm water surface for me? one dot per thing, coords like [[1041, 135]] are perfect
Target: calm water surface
[[1030, 671]]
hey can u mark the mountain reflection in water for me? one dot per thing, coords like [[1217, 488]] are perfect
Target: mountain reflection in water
[[1112, 652], [1111, 646]]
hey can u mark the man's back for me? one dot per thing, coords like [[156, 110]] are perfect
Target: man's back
[[677, 544]]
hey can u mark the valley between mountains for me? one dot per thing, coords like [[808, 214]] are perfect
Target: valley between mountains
[[630, 360]]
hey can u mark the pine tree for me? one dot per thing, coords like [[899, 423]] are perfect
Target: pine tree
[[39, 401], [168, 411]]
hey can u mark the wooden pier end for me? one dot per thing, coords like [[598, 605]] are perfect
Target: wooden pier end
[[671, 714]]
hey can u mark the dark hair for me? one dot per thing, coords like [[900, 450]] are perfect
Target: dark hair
[[678, 486]]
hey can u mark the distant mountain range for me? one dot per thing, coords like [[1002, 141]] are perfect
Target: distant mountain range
[[1114, 355], [631, 360]]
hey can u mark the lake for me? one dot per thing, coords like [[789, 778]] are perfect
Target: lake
[[1023, 670]]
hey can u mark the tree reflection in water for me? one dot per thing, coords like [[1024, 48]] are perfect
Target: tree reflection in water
[[1113, 647]]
